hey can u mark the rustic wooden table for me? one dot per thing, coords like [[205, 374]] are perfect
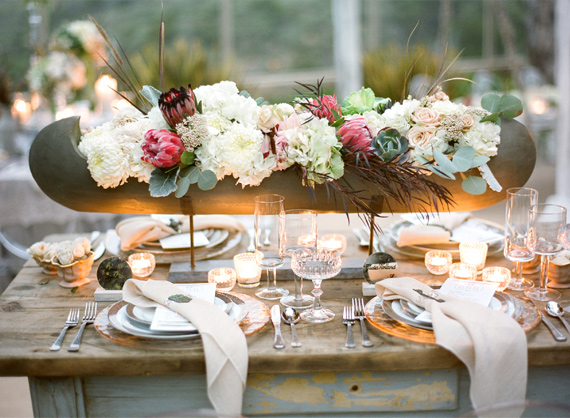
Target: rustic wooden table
[[109, 379]]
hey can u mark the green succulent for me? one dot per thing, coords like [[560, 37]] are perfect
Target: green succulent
[[390, 144]]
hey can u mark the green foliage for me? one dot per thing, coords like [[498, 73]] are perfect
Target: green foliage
[[184, 63], [506, 105], [387, 69], [163, 182]]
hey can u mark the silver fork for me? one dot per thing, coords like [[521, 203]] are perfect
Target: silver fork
[[358, 307], [348, 320], [88, 318], [71, 321]]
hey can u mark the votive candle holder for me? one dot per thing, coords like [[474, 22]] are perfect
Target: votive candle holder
[[463, 271], [248, 272], [223, 277], [332, 242], [500, 275], [438, 261], [142, 264], [473, 252]]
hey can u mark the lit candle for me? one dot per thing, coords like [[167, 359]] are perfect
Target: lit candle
[[438, 262], [473, 252], [247, 270], [22, 109], [105, 88], [333, 242], [223, 277], [142, 264], [500, 275], [306, 240], [463, 271]]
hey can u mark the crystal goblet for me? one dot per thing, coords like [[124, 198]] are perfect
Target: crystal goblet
[[316, 265]]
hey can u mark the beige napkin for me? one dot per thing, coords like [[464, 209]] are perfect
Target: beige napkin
[[140, 229], [225, 346], [437, 230], [491, 344]]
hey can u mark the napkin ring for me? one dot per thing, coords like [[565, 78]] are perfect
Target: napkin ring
[[431, 295]]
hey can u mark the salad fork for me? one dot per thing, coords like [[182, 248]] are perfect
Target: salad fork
[[358, 308], [348, 320], [71, 321], [88, 318]]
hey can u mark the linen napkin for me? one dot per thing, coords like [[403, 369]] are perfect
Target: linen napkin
[[140, 229], [225, 345], [432, 228], [491, 344]]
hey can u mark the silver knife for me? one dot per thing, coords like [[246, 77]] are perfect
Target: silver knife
[[276, 319], [558, 336]]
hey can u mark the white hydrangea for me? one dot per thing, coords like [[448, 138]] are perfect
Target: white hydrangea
[[400, 115], [157, 121], [225, 99], [237, 152], [484, 137]]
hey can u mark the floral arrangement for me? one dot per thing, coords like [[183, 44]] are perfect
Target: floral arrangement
[[173, 139], [63, 253], [66, 70]]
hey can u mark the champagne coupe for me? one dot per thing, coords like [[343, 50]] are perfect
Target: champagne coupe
[[298, 231], [545, 238], [316, 265], [269, 255], [517, 217]]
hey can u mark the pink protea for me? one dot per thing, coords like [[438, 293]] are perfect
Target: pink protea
[[162, 148], [176, 104], [323, 107], [355, 135]]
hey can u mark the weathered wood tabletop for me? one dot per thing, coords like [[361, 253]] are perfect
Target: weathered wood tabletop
[[34, 307]]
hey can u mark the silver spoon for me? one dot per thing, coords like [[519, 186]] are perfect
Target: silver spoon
[[291, 316], [554, 309]]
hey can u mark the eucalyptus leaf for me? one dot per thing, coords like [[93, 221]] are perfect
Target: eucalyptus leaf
[[474, 185], [491, 102], [207, 180], [463, 158], [191, 173], [151, 94], [183, 185], [444, 163], [493, 117], [510, 106], [437, 170], [162, 183], [479, 161]]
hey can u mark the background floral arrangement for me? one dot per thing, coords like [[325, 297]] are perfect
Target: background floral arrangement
[[175, 138], [67, 70]]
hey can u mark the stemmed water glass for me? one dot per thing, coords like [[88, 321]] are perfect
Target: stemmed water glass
[[269, 254], [517, 217], [545, 237], [316, 265], [298, 231]]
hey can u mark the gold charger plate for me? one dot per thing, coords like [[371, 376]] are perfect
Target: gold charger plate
[[528, 319], [257, 317]]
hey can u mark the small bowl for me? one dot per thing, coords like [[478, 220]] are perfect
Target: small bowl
[[47, 266], [75, 274]]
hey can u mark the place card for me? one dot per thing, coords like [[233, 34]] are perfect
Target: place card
[[167, 320], [471, 290], [180, 241]]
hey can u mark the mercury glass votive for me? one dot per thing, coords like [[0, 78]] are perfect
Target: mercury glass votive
[[473, 252], [463, 271], [248, 272], [142, 264], [438, 261], [500, 275], [332, 242], [223, 277]]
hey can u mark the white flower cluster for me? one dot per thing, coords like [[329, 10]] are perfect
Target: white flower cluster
[[64, 252], [113, 150], [42, 251], [440, 125]]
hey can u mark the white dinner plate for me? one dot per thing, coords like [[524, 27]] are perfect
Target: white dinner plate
[[396, 311]]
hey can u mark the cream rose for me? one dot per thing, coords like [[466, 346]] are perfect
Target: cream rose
[[420, 136], [268, 118], [468, 121], [426, 116]]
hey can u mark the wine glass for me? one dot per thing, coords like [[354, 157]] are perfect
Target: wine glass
[[316, 265], [517, 217], [298, 231], [269, 254], [545, 237]]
